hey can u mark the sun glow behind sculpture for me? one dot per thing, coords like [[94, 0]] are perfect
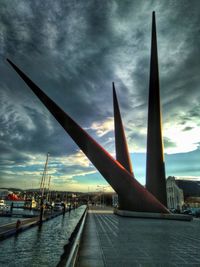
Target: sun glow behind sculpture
[[184, 141]]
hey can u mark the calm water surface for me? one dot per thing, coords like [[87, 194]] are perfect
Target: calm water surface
[[5, 220], [40, 246]]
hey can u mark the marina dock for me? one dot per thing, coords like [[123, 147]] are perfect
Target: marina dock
[[10, 229]]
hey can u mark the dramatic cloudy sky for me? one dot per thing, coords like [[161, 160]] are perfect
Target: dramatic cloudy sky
[[74, 50]]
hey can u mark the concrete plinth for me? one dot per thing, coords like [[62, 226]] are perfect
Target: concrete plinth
[[149, 215]]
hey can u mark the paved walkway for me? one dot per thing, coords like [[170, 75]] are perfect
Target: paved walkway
[[110, 240]]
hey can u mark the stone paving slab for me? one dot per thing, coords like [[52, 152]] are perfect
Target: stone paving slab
[[90, 254], [111, 240]]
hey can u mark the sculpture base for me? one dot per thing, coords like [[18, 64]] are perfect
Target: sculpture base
[[149, 215]]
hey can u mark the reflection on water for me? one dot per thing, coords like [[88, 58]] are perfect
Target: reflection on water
[[40, 246]]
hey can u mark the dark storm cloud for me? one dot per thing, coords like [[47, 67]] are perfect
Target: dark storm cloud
[[67, 52], [187, 128], [180, 66], [168, 143], [74, 50]]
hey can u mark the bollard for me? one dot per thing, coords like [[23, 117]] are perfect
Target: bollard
[[18, 223], [41, 211], [11, 207]]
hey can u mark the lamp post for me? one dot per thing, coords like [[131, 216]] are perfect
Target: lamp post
[[102, 189], [88, 197], [41, 210], [99, 191]]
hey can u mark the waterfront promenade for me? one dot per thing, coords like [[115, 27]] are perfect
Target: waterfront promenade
[[111, 240]]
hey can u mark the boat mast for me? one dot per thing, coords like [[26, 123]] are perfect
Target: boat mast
[[42, 184], [48, 189]]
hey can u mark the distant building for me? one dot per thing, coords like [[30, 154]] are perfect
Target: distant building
[[191, 191], [175, 198], [193, 202], [191, 188]]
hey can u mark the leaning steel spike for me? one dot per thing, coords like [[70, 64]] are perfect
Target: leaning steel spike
[[121, 147], [135, 196]]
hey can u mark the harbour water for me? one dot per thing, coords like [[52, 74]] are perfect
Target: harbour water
[[5, 220], [40, 246]]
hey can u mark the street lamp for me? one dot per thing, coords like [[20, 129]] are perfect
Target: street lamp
[[102, 189], [99, 191]]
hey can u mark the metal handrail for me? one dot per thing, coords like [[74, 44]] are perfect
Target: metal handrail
[[71, 261]]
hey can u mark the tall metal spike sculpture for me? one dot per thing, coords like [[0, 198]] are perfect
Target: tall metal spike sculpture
[[122, 154], [135, 196], [121, 147], [155, 171]]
